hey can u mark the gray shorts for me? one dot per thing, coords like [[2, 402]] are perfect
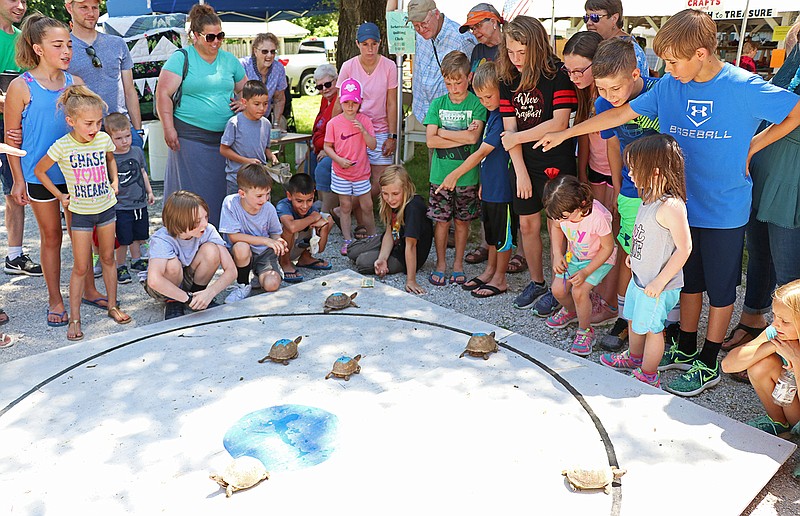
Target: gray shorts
[[186, 285], [302, 236], [265, 262]]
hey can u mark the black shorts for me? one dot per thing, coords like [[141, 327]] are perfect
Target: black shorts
[[597, 178], [38, 193], [535, 203], [500, 224], [132, 225], [715, 265]]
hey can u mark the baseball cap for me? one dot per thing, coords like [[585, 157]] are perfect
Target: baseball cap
[[368, 30], [479, 13], [350, 90], [418, 9]]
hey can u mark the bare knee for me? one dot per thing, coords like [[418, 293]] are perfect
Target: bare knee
[[270, 281], [241, 253], [766, 368]]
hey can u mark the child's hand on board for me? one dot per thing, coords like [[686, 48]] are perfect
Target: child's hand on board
[[413, 287]]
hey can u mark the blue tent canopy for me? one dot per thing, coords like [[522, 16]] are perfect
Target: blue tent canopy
[[249, 10]]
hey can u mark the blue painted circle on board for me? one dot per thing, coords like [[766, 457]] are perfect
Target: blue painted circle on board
[[284, 437]]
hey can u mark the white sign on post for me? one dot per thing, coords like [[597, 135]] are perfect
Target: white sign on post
[[399, 33]]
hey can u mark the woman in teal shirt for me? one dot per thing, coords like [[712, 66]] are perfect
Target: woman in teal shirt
[[193, 130]]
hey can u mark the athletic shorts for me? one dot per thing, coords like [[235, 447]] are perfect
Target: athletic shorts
[[301, 237], [265, 262], [132, 225], [628, 209], [715, 264], [598, 178], [594, 278], [88, 222], [376, 156], [535, 203], [647, 314], [186, 285], [459, 204], [500, 225], [345, 187], [38, 193]]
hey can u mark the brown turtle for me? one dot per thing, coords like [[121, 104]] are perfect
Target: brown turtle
[[480, 345], [339, 301], [243, 473], [582, 479], [282, 351], [344, 367]]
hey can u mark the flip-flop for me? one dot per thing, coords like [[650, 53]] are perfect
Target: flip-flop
[[360, 233], [6, 341], [96, 302], [3, 317], [292, 277], [78, 336], [60, 315], [751, 332], [315, 265], [476, 283], [437, 278], [458, 278], [517, 264], [493, 291]]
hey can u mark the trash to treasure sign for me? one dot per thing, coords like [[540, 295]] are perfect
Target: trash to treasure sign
[[399, 33]]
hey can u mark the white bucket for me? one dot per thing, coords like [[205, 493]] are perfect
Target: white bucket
[[156, 150]]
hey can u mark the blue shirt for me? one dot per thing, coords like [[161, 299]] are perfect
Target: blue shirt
[[235, 219], [284, 207], [713, 123], [628, 132], [495, 171], [275, 80], [106, 80]]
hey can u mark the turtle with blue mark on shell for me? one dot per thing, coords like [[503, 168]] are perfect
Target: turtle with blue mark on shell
[[282, 351], [480, 345], [344, 367], [339, 301]]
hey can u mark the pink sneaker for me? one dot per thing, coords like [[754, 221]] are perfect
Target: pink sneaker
[[601, 312], [584, 340], [561, 319], [639, 375], [344, 247], [621, 361]]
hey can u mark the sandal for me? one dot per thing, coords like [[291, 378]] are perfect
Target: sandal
[[741, 376], [360, 233], [292, 277], [457, 278], [437, 278], [119, 316], [750, 334], [516, 264], [493, 291], [6, 341], [78, 334], [478, 255], [473, 284]]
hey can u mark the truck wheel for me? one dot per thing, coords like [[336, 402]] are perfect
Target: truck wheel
[[308, 86]]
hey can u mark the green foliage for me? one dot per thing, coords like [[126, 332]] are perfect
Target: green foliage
[[55, 8], [321, 25]]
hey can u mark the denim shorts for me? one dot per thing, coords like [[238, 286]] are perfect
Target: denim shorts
[[88, 222], [647, 314]]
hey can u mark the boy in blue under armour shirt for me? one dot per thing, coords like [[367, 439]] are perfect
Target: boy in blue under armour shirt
[[713, 110]]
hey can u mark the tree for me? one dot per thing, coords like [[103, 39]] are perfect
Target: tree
[[353, 13], [321, 25]]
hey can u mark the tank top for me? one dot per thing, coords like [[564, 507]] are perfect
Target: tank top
[[652, 247], [42, 125]]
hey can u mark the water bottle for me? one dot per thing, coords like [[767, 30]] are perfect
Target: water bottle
[[785, 388]]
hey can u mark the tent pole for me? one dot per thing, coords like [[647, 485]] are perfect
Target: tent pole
[[553, 25], [399, 128], [741, 33]]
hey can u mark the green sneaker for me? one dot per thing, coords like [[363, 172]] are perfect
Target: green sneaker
[[674, 358], [769, 425], [699, 378]]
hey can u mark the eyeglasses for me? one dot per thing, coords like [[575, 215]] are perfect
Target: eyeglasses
[[265, 52], [576, 73], [211, 37], [424, 23], [475, 27], [594, 17], [324, 85], [95, 60]]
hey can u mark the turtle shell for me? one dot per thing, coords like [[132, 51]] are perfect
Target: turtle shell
[[601, 478], [481, 345], [244, 472], [283, 350], [339, 301], [345, 366]]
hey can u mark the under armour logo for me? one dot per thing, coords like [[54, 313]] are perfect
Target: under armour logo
[[702, 110], [699, 111]]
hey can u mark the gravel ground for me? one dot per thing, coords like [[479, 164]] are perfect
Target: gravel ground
[[27, 312]]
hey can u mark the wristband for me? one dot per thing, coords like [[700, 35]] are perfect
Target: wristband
[[140, 132], [392, 136], [189, 300]]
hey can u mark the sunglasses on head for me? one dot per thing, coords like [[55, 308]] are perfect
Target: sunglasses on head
[[593, 17], [324, 85], [265, 52], [95, 60], [211, 37]]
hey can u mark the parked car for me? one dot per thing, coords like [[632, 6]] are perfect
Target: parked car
[[300, 66]]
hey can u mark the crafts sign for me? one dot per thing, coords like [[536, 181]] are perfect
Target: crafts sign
[[721, 10]]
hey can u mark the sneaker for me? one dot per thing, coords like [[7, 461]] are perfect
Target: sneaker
[[239, 292], [674, 358], [123, 276], [139, 265], [601, 312], [561, 319], [546, 305], [697, 379], [528, 297], [173, 309], [620, 361], [639, 375], [97, 267], [23, 264], [584, 340], [769, 425], [616, 337], [144, 249], [343, 251]]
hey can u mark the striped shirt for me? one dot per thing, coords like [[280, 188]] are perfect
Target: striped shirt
[[85, 170]]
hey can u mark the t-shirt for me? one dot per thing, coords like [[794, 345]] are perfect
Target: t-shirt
[[417, 225], [747, 63], [713, 123], [446, 114], [248, 138], [481, 54], [165, 246], [106, 80], [207, 89], [284, 207], [8, 51], [531, 108], [598, 154], [641, 57], [628, 132], [348, 143], [86, 172], [374, 88], [275, 80], [583, 238], [495, 168], [132, 194], [234, 219]]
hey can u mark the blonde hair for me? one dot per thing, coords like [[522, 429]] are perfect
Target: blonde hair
[[657, 152], [485, 77], [789, 295], [539, 55], [180, 212], [391, 175], [33, 31], [749, 46], [455, 64], [78, 98], [686, 33]]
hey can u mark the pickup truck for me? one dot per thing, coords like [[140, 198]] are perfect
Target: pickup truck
[[300, 67]]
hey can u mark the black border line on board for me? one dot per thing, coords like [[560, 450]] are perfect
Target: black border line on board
[[609, 446]]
